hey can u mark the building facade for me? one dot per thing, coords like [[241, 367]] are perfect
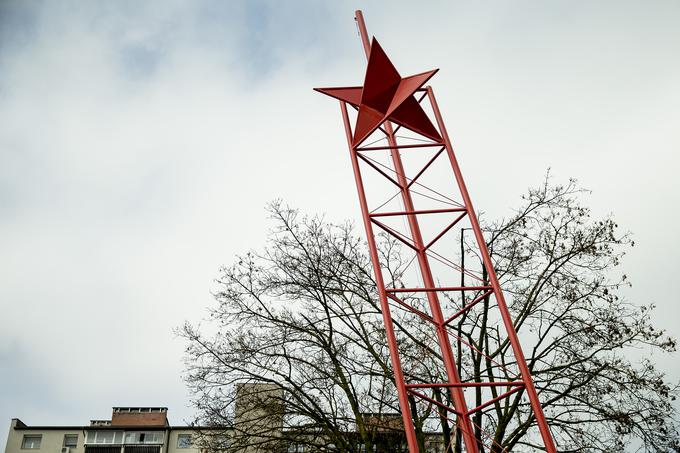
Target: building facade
[[258, 419], [130, 430]]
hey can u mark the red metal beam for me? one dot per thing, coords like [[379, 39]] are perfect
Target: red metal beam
[[468, 306], [384, 303], [468, 384], [493, 400], [426, 273], [395, 234], [546, 435], [411, 308], [441, 288], [416, 212], [396, 146], [427, 165], [445, 230], [377, 113]]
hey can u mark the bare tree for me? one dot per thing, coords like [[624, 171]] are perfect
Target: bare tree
[[303, 315], [559, 266]]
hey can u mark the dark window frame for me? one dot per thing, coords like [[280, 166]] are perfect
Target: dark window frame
[[31, 436], [185, 436], [70, 436]]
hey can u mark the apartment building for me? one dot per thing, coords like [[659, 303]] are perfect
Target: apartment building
[[130, 430], [258, 412]]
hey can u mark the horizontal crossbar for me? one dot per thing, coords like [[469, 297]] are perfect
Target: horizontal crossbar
[[419, 145], [517, 388], [441, 288], [424, 211], [467, 384]]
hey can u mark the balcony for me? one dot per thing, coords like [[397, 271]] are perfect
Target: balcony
[[124, 442]]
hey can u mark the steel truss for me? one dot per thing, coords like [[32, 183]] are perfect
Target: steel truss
[[484, 289]]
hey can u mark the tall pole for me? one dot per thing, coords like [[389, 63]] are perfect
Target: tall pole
[[453, 378]]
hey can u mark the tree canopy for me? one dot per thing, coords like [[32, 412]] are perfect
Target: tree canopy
[[302, 313]]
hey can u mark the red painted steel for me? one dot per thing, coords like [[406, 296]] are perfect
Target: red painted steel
[[386, 94], [384, 303], [387, 98], [498, 293], [457, 394], [469, 384]]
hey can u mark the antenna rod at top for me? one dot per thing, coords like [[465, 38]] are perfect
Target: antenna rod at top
[[359, 17]]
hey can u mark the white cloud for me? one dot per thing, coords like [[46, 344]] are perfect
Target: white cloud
[[139, 143]]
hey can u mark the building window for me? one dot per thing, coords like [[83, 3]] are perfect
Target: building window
[[70, 440], [31, 441], [184, 441], [105, 437], [146, 437]]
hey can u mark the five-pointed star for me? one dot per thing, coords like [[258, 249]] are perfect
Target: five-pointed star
[[386, 96]]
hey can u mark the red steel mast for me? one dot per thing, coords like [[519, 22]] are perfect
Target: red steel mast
[[387, 98]]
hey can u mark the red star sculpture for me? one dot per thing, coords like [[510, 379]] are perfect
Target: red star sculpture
[[386, 96]]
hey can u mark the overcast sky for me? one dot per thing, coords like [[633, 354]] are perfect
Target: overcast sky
[[140, 141]]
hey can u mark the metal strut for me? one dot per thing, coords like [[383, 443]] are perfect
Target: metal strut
[[377, 113]]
